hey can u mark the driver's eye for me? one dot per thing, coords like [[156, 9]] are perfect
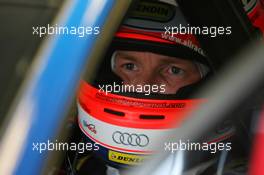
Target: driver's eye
[[129, 66], [175, 70]]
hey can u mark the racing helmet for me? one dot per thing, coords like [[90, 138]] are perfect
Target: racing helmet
[[127, 125]]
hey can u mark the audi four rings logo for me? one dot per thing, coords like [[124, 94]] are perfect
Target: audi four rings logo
[[130, 139]]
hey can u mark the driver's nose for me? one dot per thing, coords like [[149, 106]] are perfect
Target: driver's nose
[[147, 78]]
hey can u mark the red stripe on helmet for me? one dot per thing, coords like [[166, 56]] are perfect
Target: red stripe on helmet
[[157, 36], [142, 37], [257, 158], [173, 111]]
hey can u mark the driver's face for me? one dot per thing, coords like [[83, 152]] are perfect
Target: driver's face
[[141, 68]]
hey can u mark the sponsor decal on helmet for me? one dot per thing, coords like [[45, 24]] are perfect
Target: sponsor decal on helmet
[[130, 102], [133, 139], [151, 10], [129, 159], [91, 127]]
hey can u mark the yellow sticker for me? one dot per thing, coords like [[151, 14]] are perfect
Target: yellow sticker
[[129, 159]]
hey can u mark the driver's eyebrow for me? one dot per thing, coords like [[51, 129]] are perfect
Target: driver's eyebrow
[[169, 60], [126, 56]]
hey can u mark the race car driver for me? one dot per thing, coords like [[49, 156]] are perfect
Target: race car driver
[[142, 84]]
